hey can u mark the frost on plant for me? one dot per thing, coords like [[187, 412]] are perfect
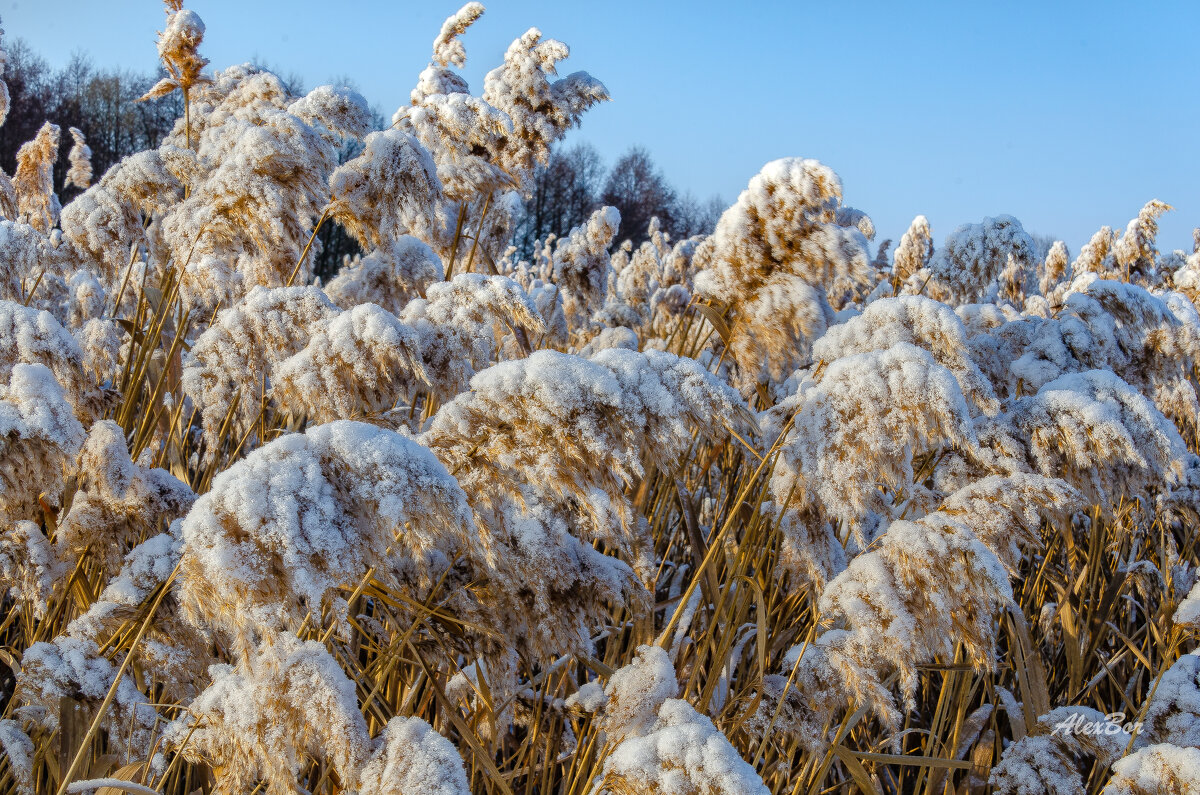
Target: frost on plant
[[759, 510], [284, 527]]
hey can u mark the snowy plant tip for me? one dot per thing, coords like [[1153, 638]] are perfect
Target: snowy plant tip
[[447, 49]]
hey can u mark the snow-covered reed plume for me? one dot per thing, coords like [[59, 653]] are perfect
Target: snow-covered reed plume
[[39, 435], [663, 744], [1099, 433], [540, 507], [361, 363], [264, 162], [117, 503], [929, 585], [178, 47], [540, 109], [30, 336], [581, 269], [780, 261], [862, 427], [468, 323], [388, 190], [37, 203], [1054, 268], [80, 157], [389, 277], [227, 368], [752, 511], [914, 250], [974, 255], [308, 513], [1048, 759]]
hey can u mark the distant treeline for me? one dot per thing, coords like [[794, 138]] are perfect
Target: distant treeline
[[574, 183], [100, 102]]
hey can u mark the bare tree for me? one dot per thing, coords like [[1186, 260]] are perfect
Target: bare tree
[[639, 191], [565, 192], [694, 217]]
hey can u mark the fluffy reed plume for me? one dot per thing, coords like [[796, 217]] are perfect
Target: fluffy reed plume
[[117, 503], [1014, 283], [1021, 353], [259, 720], [264, 176], [919, 321], [25, 251], [1096, 256], [389, 190], [914, 251], [1187, 278], [862, 427], [16, 743], [146, 567], [779, 257], [673, 292], [389, 277], [466, 323], [447, 49], [37, 203], [308, 513], [39, 434], [541, 507], [974, 255], [614, 401], [541, 110], [644, 280], [87, 299], [29, 569], [662, 744], [363, 362], [172, 652], [410, 756], [929, 585], [1173, 714], [1188, 613], [178, 48], [1157, 769], [100, 341], [1134, 251], [1055, 268], [335, 112], [226, 369], [465, 134], [1099, 434], [633, 695], [1049, 760], [74, 670], [106, 221], [810, 548], [820, 679], [1151, 341], [80, 158], [581, 269], [1005, 513], [900, 590], [31, 336]]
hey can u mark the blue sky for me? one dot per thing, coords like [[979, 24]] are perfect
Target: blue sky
[[1066, 115]]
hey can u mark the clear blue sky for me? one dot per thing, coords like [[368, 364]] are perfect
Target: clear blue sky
[[1066, 115]]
